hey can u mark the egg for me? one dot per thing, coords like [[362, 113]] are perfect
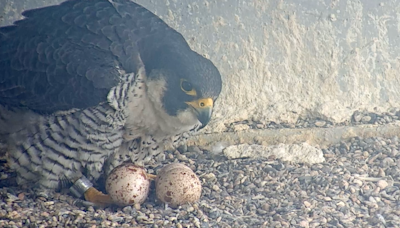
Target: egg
[[128, 184], [177, 184]]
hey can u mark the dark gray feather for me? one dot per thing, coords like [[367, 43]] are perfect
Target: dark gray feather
[[67, 56]]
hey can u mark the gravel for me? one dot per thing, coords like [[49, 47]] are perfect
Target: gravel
[[357, 186]]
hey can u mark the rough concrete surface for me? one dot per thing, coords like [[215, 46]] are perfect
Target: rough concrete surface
[[297, 153], [322, 137], [282, 60]]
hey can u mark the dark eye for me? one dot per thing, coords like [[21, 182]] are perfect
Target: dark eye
[[186, 86]]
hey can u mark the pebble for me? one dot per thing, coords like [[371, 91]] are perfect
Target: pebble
[[382, 184], [357, 116], [341, 204], [48, 203], [320, 123], [307, 204], [21, 196], [304, 223], [366, 119], [358, 182], [210, 177], [215, 188]]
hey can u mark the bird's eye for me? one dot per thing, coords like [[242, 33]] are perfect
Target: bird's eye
[[187, 88]]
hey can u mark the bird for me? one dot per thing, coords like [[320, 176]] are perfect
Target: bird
[[86, 85]]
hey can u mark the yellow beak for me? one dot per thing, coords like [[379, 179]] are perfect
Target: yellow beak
[[203, 109]]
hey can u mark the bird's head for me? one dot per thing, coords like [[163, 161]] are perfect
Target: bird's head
[[185, 84]]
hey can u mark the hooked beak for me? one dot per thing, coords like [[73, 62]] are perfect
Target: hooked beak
[[203, 109]]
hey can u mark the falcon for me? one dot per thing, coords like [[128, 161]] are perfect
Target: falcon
[[89, 84]]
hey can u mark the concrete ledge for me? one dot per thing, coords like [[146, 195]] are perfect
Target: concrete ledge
[[296, 153], [322, 137]]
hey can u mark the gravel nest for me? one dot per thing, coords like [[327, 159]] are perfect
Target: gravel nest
[[357, 186]]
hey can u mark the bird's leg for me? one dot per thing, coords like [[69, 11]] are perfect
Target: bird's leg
[[98, 198], [93, 197], [151, 176]]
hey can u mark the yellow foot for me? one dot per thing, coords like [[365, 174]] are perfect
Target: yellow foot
[[151, 176], [100, 199]]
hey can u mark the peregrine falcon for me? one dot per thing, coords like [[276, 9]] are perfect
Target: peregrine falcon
[[88, 84]]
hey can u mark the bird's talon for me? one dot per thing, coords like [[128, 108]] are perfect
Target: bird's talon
[[97, 198]]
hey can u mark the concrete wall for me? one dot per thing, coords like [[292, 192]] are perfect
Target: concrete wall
[[282, 60]]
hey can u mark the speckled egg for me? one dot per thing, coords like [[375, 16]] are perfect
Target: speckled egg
[[128, 184], [177, 184]]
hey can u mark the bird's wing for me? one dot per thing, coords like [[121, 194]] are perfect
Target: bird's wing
[[70, 55]]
